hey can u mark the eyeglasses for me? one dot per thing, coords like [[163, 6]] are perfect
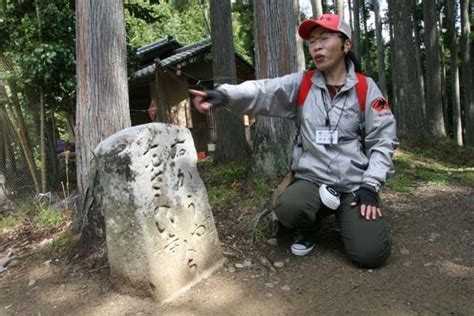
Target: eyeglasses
[[322, 40]]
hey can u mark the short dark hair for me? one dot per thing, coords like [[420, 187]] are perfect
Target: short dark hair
[[350, 55]]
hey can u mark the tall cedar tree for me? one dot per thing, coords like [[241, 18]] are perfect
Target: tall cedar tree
[[466, 67], [230, 129], [434, 104], [356, 29], [102, 95], [317, 7], [275, 42], [380, 48], [411, 122], [453, 52]]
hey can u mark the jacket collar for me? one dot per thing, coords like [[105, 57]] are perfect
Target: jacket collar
[[319, 80]]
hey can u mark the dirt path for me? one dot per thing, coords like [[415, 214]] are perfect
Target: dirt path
[[431, 271]]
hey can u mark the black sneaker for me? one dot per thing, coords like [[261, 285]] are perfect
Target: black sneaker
[[301, 247]]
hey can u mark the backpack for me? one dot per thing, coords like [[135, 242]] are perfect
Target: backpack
[[306, 83]]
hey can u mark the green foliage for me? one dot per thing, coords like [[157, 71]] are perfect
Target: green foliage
[[65, 242], [146, 22], [40, 43], [223, 174], [242, 24], [12, 221], [47, 219], [440, 163]]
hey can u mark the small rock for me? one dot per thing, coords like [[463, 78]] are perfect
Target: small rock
[[14, 263], [407, 264], [8, 306], [239, 266], [404, 251], [285, 288], [428, 264], [287, 260], [231, 269], [46, 242], [47, 263], [411, 166], [269, 284], [2, 269], [370, 270], [32, 282], [247, 263], [268, 295], [278, 264], [272, 242]]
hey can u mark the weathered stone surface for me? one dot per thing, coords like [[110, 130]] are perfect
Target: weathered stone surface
[[161, 236]]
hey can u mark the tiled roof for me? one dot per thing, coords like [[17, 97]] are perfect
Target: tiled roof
[[180, 57], [167, 40]]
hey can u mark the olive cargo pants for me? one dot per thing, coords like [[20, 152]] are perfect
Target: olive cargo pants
[[366, 242]]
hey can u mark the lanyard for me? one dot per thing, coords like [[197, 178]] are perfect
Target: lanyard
[[328, 109]]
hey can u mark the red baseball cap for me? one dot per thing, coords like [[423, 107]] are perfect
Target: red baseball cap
[[328, 21]]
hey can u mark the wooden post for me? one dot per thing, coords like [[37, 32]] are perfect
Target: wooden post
[[161, 97]]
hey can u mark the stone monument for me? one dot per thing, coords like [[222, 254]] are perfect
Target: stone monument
[[161, 236]]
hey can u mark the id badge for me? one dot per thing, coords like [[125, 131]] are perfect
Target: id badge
[[326, 137]]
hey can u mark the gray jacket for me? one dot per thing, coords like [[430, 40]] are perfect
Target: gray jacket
[[355, 159]]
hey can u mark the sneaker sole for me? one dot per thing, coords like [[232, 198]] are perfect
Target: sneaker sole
[[301, 252]]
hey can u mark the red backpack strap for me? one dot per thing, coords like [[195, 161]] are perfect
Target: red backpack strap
[[361, 89], [305, 86], [306, 83]]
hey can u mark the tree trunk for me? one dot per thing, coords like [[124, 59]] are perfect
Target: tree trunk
[[3, 143], [434, 98], [317, 6], [368, 60], [411, 122], [42, 142], [356, 30], [102, 95], [419, 69], [231, 143], [380, 48], [467, 94], [394, 97], [275, 37], [351, 14], [339, 7], [16, 115], [453, 49]]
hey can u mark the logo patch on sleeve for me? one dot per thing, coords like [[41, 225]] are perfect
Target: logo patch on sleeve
[[381, 105]]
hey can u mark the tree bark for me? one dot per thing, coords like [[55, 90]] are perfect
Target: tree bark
[[434, 98], [3, 144], [275, 37], [102, 94], [356, 30], [467, 94], [368, 62], [231, 143], [455, 94], [317, 7], [42, 142], [380, 49], [419, 69], [339, 6], [394, 98], [16, 115], [411, 122]]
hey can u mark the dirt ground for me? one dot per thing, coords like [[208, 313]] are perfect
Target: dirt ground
[[431, 271]]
